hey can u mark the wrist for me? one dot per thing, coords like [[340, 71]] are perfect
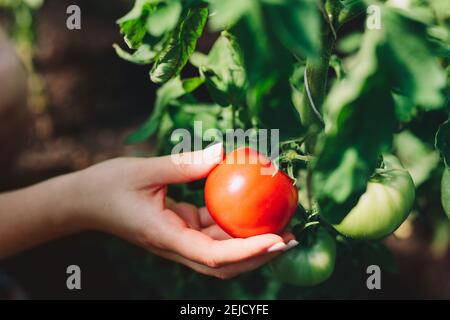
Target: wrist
[[69, 215]]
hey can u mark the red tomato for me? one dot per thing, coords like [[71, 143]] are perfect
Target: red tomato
[[247, 196]]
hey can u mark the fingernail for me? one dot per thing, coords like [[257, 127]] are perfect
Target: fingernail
[[213, 153], [290, 245], [279, 246]]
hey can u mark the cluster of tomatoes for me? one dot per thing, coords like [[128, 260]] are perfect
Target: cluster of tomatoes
[[247, 195]]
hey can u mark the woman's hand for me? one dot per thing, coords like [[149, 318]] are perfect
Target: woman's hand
[[127, 197]]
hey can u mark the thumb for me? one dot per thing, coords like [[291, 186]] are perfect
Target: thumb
[[185, 167]]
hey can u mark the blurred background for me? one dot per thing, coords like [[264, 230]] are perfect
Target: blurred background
[[67, 101]]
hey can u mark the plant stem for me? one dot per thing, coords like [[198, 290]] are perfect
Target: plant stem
[[317, 74]]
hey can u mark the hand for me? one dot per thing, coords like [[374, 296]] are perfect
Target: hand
[[127, 197]]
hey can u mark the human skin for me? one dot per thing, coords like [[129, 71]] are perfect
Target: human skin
[[126, 197]]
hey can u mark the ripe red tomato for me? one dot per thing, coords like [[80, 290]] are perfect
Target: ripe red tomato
[[247, 196]]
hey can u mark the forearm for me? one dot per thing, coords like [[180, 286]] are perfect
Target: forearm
[[38, 214]]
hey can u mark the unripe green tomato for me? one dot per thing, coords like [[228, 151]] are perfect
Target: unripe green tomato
[[384, 206], [308, 264]]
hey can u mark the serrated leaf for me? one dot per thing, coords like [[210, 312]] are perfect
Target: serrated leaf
[[180, 45], [133, 24], [224, 72], [169, 92], [143, 55], [443, 141]]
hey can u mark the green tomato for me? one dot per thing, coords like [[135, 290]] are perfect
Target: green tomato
[[310, 263], [384, 206]]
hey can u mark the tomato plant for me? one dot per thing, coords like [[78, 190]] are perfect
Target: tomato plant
[[309, 264], [246, 201], [343, 81]]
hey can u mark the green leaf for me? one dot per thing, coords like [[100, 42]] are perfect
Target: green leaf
[[225, 14], [337, 66], [268, 65], [441, 9], [198, 59], [189, 85], [268, 32], [351, 9], [297, 85], [180, 45], [404, 107], [133, 24], [169, 92], [443, 141], [143, 55], [224, 72], [297, 24], [183, 115], [406, 71], [445, 191], [164, 19], [350, 43], [416, 157]]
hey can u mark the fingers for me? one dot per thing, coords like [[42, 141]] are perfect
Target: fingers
[[198, 219], [187, 212], [225, 272], [170, 202], [184, 167], [216, 233], [202, 249], [288, 237], [205, 218]]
